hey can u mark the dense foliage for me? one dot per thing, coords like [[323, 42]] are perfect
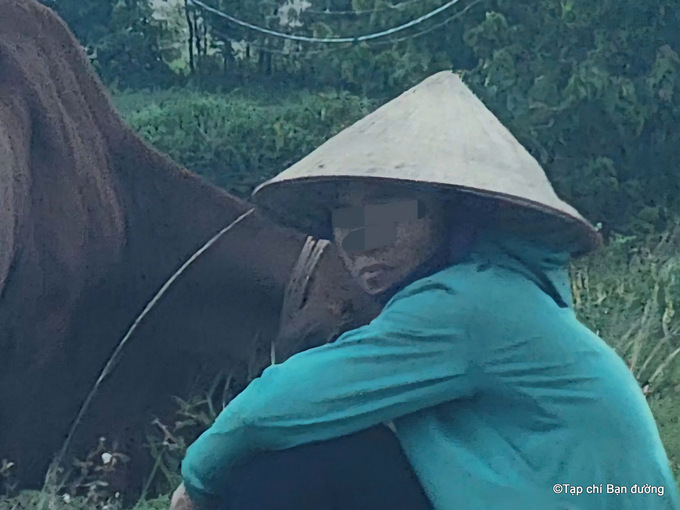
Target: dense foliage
[[121, 39], [588, 87]]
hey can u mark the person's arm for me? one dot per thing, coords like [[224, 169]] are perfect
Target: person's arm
[[415, 355]]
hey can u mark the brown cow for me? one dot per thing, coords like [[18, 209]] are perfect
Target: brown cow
[[92, 223]]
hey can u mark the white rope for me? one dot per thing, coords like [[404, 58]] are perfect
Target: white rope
[[316, 52], [360, 38], [116, 354], [257, 47], [390, 7], [299, 279], [304, 268], [432, 28]]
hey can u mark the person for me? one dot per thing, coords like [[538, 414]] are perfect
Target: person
[[476, 387]]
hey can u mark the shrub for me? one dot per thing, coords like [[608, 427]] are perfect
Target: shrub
[[236, 142]]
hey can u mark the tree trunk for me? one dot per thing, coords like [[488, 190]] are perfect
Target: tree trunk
[[192, 66], [205, 38], [199, 43]]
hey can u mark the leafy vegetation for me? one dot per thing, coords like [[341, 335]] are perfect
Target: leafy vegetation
[[628, 294], [236, 141], [121, 37], [35, 500], [590, 88]]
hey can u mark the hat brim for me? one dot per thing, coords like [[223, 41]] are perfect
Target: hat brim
[[305, 204]]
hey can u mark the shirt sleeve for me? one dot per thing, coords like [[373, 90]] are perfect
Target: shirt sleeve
[[415, 354]]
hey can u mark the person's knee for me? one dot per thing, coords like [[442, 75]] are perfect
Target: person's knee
[[359, 470]]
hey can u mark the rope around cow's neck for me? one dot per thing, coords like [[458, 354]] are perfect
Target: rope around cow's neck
[[110, 365], [294, 296]]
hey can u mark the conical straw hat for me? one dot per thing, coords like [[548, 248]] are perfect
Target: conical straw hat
[[436, 135]]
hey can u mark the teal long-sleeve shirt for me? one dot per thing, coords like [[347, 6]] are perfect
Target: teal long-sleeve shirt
[[498, 395]]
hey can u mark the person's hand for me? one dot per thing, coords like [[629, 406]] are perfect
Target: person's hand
[[180, 500]]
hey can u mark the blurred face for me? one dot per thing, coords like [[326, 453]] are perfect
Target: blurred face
[[383, 235]]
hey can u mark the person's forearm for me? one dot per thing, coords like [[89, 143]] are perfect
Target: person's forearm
[[354, 384]]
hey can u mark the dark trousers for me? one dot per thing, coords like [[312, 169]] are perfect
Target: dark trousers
[[362, 471]]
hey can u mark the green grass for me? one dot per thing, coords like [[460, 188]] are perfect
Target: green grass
[[35, 500]]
